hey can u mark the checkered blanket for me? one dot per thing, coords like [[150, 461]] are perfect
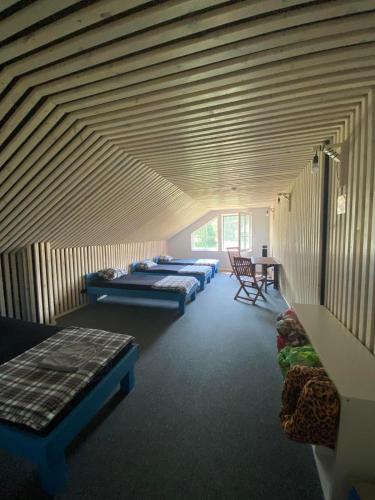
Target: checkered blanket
[[182, 284], [207, 262], [32, 395], [206, 270]]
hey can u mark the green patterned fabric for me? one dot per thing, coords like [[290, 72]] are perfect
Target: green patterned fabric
[[292, 356]]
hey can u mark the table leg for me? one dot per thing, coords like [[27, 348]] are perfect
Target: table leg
[[276, 277], [265, 273]]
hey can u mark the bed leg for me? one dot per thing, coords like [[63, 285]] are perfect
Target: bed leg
[[53, 473], [193, 296], [208, 279], [181, 306], [201, 288], [93, 299], [128, 382]]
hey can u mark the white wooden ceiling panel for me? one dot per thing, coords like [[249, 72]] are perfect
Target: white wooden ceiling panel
[[129, 120]]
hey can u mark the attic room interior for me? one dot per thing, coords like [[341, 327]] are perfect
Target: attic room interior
[[187, 249]]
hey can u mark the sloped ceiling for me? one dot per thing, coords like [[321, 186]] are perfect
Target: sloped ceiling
[[125, 120]]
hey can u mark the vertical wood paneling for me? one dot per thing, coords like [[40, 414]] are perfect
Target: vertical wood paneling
[[350, 264], [15, 286], [40, 282], [31, 283], [296, 239], [21, 286]]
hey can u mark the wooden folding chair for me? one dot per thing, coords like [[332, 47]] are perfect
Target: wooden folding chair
[[233, 252], [250, 282]]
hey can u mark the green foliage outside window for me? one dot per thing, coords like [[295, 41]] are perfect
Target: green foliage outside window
[[206, 237]]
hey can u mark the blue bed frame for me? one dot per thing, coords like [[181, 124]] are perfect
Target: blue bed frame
[[94, 292], [199, 276], [48, 452]]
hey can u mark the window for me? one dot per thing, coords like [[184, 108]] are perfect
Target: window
[[236, 231], [206, 237], [230, 231], [245, 232]]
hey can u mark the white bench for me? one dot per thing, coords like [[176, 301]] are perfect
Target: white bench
[[351, 367]]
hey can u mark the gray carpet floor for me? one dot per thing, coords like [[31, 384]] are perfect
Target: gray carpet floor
[[202, 422]]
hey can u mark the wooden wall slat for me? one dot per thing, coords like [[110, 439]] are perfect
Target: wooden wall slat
[[15, 285], [8, 285], [3, 310], [35, 267], [31, 283], [22, 286]]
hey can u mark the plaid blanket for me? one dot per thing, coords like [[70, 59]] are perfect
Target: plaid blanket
[[196, 270], [207, 262], [182, 284], [32, 395]]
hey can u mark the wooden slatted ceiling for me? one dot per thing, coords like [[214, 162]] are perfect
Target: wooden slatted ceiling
[[119, 116]]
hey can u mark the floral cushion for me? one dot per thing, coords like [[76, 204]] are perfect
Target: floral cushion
[[146, 264], [111, 273]]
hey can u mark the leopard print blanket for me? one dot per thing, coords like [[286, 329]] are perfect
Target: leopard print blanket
[[310, 406]]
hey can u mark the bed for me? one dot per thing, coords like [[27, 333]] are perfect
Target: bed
[[44, 441], [213, 263], [140, 285], [202, 273]]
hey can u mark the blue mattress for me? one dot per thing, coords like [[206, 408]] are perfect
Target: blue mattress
[[170, 269], [188, 262], [185, 262], [143, 281]]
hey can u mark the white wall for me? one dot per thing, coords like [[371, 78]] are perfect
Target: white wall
[[179, 246]]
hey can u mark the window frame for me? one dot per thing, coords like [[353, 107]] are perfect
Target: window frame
[[235, 214], [238, 215]]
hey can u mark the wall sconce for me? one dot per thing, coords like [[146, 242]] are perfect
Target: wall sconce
[[328, 149], [315, 163], [287, 196], [331, 152]]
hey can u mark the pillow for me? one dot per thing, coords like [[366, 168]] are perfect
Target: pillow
[[145, 264], [111, 273], [165, 258]]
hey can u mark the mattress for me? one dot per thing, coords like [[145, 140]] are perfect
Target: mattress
[[142, 281], [183, 262], [165, 269], [19, 336], [189, 262]]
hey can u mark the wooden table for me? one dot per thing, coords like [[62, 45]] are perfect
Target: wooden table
[[267, 262]]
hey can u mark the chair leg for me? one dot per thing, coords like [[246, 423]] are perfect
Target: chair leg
[[238, 292]]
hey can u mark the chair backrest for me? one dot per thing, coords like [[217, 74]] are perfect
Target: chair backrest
[[243, 266], [233, 252]]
